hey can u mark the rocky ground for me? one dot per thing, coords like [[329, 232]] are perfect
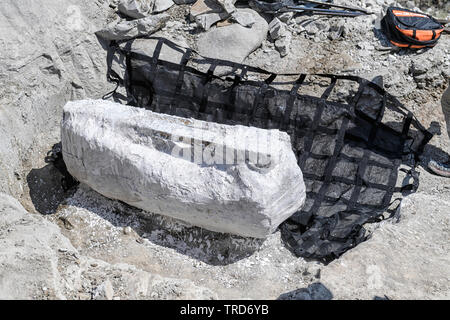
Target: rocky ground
[[80, 245]]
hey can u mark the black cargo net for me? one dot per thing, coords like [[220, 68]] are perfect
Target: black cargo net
[[350, 155]]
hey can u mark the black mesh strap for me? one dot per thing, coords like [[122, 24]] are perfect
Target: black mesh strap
[[330, 166], [260, 97], [362, 166], [304, 154], [205, 95], [309, 139], [179, 83], [337, 150], [232, 95], [291, 101], [329, 89]]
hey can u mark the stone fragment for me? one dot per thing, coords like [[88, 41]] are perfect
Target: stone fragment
[[245, 19], [208, 12], [104, 291], [227, 5], [125, 30], [206, 21], [232, 179], [276, 29], [285, 16], [142, 8], [283, 44], [205, 7]]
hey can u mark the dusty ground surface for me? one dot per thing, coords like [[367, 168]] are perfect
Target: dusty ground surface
[[144, 256]]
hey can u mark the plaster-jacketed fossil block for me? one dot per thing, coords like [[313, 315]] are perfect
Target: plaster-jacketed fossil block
[[232, 179]]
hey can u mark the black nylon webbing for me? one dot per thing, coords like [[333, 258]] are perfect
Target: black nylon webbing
[[330, 165], [257, 107], [155, 58], [180, 79], [391, 184], [205, 95], [337, 150], [260, 96], [407, 125], [329, 89], [362, 166], [309, 139], [290, 103], [232, 96]]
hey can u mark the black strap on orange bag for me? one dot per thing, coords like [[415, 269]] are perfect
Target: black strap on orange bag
[[409, 29]]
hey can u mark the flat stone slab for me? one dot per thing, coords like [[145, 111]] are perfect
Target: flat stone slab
[[125, 30], [142, 8], [231, 179]]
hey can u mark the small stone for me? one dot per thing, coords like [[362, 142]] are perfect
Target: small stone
[[285, 16], [283, 44], [67, 224], [104, 292], [276, 29], [127, 230]]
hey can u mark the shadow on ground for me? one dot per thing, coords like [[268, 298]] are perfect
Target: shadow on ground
[[50, 185], [315, 291], [46, 192], [207, 246]]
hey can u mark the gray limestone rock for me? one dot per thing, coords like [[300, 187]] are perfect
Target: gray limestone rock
[[233, 42], [231, 179], [142, 8], [125, 30], [276, 29]]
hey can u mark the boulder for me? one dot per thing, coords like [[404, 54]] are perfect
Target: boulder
[[233, 42], [125, 30], [230, 179]]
